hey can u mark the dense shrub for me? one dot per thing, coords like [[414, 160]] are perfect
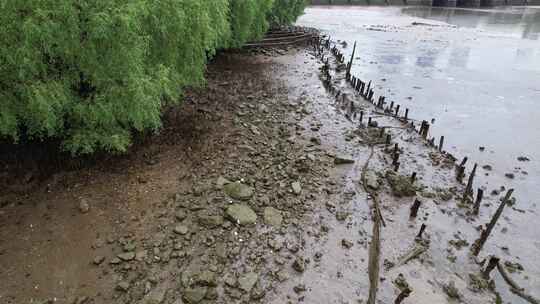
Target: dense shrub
[[91, 72]]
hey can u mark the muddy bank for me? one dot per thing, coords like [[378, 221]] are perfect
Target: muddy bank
[[262, 188]]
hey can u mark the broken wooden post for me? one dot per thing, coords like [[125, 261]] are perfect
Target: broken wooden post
[[388, 138], [351, 61], [361, 116], [413, 177], [406, 113], [479, 196], [468, 188], [406, 292], [414, 208], [381, 133], [391, 104], [369, 122], [478, 244], [493, 261], [426, 130], [422, 229], [397, 111], [441, 143], [460, 173], [396, 165]]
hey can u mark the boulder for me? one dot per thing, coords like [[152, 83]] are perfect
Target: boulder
[[238, 191]]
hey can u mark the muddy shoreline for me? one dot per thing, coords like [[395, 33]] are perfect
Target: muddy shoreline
[[264, 194]]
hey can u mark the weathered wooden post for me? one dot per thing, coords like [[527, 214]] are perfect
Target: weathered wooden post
[[351, 61], [479, 196], [414, 208], [478, 244]]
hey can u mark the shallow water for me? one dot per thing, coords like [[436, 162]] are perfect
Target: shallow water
[[477, 73]]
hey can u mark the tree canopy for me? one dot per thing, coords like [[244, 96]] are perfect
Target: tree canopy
[[92, 72]]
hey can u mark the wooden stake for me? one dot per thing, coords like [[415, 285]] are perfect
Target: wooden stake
[[414, 208], [468, 188], [493, 261], [479, 196], [351, 61], [413, 177], [397, 110], [441, 143], [422, 229], [406, 114], [478, 244]]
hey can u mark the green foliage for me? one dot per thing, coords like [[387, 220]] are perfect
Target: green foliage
[[286, 11], [91, 72]]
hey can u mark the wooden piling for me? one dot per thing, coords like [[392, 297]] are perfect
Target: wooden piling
[[388, 139], [422, 229], [478, 201], [351, 61], [493, 261], [414, 208], [413, 177], [397, 110], [406, 113], [478, 244], [441, 143], [468, 188]]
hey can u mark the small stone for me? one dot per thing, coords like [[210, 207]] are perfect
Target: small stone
[[210, 221], [487, 167], [238, 191], [451, 290], [122, 286], [221, 181], [247, 281], [195, 294], [181, 229], [241, 214], [342, 160], [296, 188], [342, 215], [523, 159], [346, 244], [126, 257], [180, 215], [372, 181], [509, 175], [272, 217], [98, 260], [299, 264], [299, 288], [156, 296], [84, 207]]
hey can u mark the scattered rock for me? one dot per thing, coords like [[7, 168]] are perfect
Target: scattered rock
[[238, 191], [84, 207], [371, 180], [127, 256], [523, 159], [98, 260], [299, 264], [241, 214], [509, 175], [296, 188], [272, 217], [181, 229], [401, 185], [346, 244], [122, 286], [487, 167], [221, 181], [300, 288], [194, 294], [451, 290], [247, 281], [210, 221], [156, 296], [342, 160]]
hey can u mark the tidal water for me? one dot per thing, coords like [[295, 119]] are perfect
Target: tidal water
[[476, 72]]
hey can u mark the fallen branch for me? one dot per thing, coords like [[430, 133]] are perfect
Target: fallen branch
[[514, 287]]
